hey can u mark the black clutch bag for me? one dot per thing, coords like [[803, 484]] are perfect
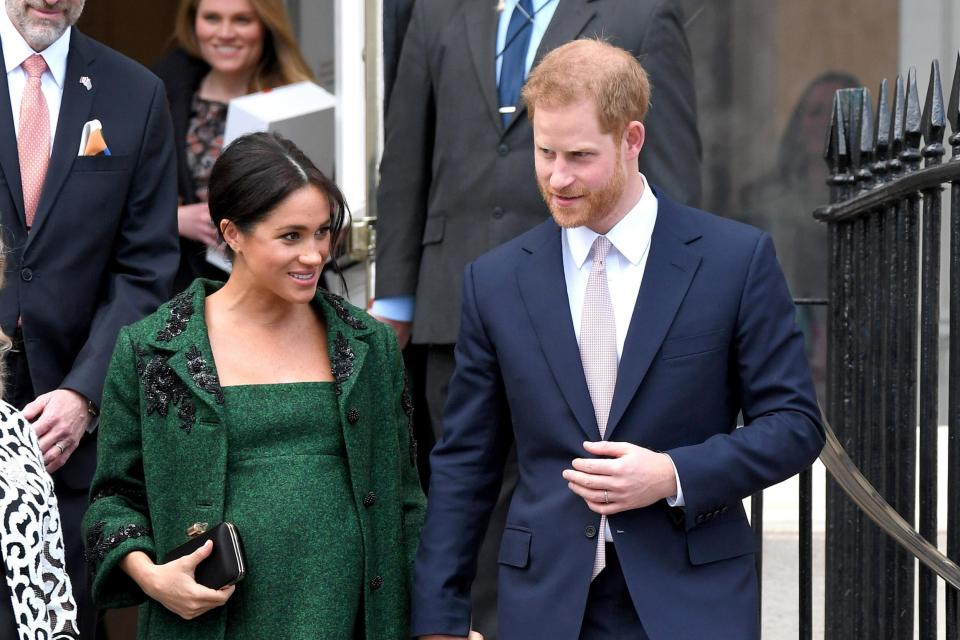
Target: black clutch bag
[[225, 566]]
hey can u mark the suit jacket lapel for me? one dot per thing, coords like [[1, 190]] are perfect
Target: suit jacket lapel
[[9, 160], [569, 21], [544, 292], [74, 112], [481, 22], [669, 271]]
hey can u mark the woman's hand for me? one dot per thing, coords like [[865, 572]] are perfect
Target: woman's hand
[[193, 221], [173, 584]]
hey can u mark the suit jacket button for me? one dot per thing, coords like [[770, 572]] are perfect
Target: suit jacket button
[[590, 531], [503, 150], [26, 274], [370, 499], [376, 582], [498, 212], [353, 416]]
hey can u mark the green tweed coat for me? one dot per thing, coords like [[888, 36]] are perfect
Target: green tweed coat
[[162, 458]]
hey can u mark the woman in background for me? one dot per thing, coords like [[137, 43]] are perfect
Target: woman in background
[[36, 600], [270, 404], [225, 49]]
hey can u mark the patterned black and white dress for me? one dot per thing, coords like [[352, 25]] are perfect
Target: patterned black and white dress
[[31, 541]]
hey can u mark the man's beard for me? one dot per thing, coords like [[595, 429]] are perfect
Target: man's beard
[[593, 206], [38, 32]]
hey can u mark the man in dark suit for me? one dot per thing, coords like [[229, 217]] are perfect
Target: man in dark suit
[[615, 346], [91, 233], [457, 176]]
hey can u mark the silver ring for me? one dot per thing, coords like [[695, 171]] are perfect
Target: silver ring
[[59, 445], [606, 498]]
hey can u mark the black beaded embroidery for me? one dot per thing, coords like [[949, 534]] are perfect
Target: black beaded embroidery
[[181, 309], [202, 374], [163, 388], [98, 546], [406, 400], [342, 360], [114, 490], [336, 302], [376, 583]]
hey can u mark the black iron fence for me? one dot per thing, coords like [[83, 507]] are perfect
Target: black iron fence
[[887, 178]]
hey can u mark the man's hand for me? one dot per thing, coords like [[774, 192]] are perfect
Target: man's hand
[[60, 419], [628, 477], [403, 331], [474, 635], [193, 221]]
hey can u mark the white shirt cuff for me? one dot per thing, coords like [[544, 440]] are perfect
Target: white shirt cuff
[[677, 500]]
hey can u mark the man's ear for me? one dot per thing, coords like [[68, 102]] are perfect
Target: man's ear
[[633, 138]]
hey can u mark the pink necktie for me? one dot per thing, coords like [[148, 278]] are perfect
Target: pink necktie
[[598, 354], [33, 143]]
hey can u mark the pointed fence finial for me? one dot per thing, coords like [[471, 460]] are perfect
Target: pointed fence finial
[[911, 124], [899, 108], [882, 141], [953, 111], [934, 120], [835, 152]]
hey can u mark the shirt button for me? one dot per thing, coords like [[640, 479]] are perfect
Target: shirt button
[[26, 274], [590, 531], [503, 150], [498, 212], [353, 416], [370, 499], [376, 583]]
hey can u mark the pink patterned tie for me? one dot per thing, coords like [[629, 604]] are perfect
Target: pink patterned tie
[[33, 143], [598, 354]]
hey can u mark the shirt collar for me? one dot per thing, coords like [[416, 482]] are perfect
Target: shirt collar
[[631, 236], [16, 49]]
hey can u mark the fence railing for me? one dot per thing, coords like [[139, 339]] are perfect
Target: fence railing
[[887, 176]]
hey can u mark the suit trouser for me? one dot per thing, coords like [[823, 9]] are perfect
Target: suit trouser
[[610, 614], [72, 503], [439, 370]]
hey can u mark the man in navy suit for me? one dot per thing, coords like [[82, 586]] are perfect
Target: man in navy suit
[[615, 345], [91, 233]]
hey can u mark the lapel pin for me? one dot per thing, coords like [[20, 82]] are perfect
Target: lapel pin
[[85, 81]]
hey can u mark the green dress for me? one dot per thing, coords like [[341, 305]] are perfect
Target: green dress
[[288, 492]]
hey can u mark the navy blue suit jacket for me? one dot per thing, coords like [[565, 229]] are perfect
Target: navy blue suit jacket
[[713, 334], [103, 249]]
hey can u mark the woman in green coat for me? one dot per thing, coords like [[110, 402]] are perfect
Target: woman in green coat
[[269, 404]]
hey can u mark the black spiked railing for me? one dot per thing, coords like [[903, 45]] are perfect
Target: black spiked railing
[[953, 376], [887, 177]]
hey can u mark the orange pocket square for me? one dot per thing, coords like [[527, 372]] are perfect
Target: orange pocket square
[[95, 143]]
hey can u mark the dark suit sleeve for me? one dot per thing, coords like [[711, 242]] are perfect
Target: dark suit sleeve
[[405, 171], [466, 473], [145, 251], [671, 155], [782, 433]]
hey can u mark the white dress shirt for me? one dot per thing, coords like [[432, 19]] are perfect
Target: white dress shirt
[[15, 51], [625, 266]]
